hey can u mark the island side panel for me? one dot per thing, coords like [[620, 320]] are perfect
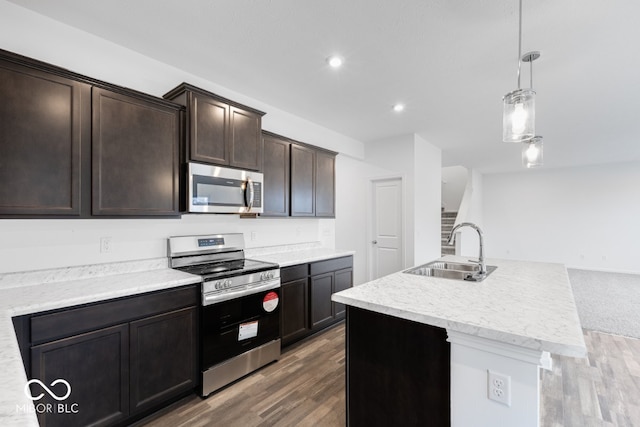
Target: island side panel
[[398, 371]]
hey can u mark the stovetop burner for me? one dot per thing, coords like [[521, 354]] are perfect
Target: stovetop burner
[[231, 268]]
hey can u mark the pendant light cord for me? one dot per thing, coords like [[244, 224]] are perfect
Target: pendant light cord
[[519, 41]]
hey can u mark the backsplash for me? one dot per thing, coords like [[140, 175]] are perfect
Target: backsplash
[[38, 277], [49, 244]]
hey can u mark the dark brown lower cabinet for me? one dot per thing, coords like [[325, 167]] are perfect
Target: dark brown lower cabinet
[[343, 280], [162, 357], [295, 318], [398, 372], [96, 367], [321, 305], [306, 296], [140, 354]]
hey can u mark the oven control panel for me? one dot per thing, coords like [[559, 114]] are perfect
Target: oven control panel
[[268, 275], [223, 284], [213, 241], [221, 289]]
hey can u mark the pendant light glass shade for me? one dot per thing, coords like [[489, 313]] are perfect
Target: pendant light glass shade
[[519, 115], [532, 152]]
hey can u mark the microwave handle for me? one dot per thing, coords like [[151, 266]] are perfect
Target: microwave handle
[[251, 194]]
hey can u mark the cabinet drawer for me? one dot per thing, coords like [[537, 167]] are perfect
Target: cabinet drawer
[[295, 272], [334, 264], [72, 321]]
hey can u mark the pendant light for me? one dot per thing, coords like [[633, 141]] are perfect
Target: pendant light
[[518, 120], [532, 152]]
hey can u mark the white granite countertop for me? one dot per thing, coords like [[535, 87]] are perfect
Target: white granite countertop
[[37, 291], [527, 304], [288, 255], [32, 292]]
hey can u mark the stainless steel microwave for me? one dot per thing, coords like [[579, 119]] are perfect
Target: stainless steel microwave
[[216, 189]]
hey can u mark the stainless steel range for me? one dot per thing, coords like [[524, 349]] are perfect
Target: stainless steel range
[[240, 317]]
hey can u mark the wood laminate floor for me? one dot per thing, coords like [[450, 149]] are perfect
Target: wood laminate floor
[[306, 388], [602, 390]]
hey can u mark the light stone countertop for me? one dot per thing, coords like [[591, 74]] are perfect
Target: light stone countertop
[[528, 304], [288, 255], [36, 291], [33, 292]]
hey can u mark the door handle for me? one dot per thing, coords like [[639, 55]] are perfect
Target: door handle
[[375, 242]]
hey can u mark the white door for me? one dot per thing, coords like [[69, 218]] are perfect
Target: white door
[[387, 234]]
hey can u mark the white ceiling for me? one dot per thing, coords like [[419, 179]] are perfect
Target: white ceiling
[[448, 61]]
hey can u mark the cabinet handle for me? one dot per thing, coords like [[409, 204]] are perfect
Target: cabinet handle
[[375, 242]]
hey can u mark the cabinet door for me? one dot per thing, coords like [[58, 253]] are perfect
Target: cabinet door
[[135, 156], [303, 175], [96, 366], [325, 184], [43, 118], [209, 130], [245, 139], [276, 176], [320, 300], [163, 357], [343, 280], [295, 314]]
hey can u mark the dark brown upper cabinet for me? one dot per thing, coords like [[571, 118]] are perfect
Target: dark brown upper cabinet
[[299, 179], [325, 184], [313, 177], [303, 181], [44, 122], [220, 131], [276, 168], [72, 146], [135, 155]]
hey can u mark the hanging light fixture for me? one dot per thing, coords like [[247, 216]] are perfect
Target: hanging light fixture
[[518, 120], [532, 152]]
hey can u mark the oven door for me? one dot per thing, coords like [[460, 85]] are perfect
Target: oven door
[[232, 327], [214, 189]]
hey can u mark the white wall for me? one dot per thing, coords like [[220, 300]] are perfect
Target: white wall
[[394, 157], [351, 209], [419, 163], [428, 166], [471, 208], [38, 244], [454, 182], [584, 217]]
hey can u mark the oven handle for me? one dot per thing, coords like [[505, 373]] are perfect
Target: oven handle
[[209, 299]]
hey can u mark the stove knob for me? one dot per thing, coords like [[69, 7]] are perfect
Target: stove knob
[[216, 285], [271, 275], [227, 283], [263, 276]]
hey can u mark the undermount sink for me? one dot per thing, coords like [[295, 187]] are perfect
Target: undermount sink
[[452, 270]]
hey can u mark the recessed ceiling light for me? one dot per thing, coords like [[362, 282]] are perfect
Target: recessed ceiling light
[[334, 61], [398, 107]]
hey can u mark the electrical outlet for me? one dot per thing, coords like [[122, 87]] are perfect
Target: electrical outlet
[[254, 236], [105, 245], [499, 387]]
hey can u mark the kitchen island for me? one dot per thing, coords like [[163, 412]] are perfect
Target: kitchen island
[[403, 330]]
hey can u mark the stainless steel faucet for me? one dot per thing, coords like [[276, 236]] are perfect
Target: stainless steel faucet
[[452, 237]]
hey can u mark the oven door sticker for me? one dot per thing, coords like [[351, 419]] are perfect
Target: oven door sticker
[[270, 302], [248, 330]]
